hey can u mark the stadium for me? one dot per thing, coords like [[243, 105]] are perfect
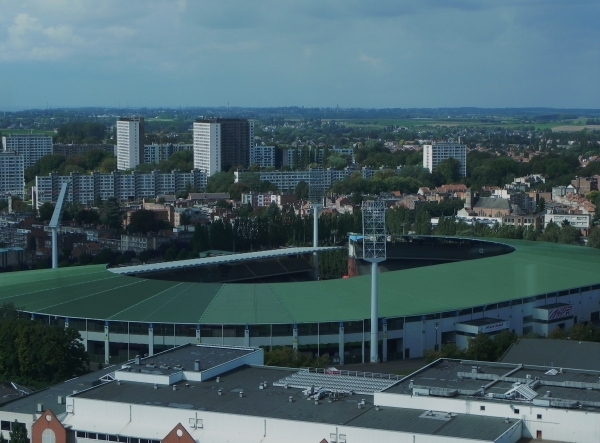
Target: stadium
[[434, 290]]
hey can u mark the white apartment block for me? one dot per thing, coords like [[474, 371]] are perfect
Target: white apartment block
[[31, 146], [286, 181], [437, 152], [207, 147], [130, 143], [156, 153], [262, 156], [12, 174], [131, 186], [288, 156]]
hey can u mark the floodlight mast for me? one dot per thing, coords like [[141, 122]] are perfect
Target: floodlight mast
[[316, 192], [55, 223], [374, 251]]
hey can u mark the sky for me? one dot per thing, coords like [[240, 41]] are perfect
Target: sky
[[312, 53]]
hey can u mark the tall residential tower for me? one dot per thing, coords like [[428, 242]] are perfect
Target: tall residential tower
[[222, 143], [31, 146], [437, 152], [130, 142]]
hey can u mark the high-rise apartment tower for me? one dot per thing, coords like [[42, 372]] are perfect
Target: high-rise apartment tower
[[437, 152], [222, 143], [31, 146], [130, 142]]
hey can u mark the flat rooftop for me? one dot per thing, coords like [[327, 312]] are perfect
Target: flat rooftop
[[184, 358], [568, 387], [273, 402]]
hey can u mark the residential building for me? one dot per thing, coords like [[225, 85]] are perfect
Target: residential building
[[579, 221], [157, 153], [436, 152], [12, 174], [31, 146], [71, 150], [139, 243], [130, 142], [262, 156], [264, 199], [222, 143], [11, 256], [288, 154], [286, 181], [125, 186], [585, 185]]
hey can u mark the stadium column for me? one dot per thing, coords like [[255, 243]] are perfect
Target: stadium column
[[150, 340], [198, 338], [295, 337], [106, 344], [247, 336], [341, 346], [384, 345]]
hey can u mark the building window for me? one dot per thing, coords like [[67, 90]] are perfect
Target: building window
[[482, 408], [539, 416], [516, 411], [48, 436]]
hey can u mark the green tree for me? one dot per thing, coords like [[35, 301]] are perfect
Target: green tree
[[481, 347], [448, 171], [302, 190], [569, 235], [594, 238], [45, 212], [110, 213], [18, 433], [422, 224], [144, 221], [220, 182]]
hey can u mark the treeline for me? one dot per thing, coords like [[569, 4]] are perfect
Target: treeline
[[182, 161], [81, 133], [482, 347], [273, 228], [92, 160], [33, 352]]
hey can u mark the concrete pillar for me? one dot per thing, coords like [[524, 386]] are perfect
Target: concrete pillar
[[341, 343], [316, 240], [150, 340], [247, 336], [198, 337], [106, 344], [384, 356], [374, 314], [54, 248], [295, 337]]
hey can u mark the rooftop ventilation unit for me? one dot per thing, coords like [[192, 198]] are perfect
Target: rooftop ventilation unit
[[40, 407]]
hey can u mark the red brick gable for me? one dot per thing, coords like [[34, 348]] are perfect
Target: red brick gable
[[48, 421]]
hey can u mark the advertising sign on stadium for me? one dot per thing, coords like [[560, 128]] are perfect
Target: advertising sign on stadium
[[562, 312], [493, 327]]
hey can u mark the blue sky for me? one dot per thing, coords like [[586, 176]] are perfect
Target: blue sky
[[355, 53]]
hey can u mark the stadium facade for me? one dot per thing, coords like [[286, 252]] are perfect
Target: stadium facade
[[534, 289]]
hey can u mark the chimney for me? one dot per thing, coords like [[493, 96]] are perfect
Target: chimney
[[137, 360], [197, 365], [60, 399], [40, 407]]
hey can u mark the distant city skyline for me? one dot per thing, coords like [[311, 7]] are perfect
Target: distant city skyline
[[265, 53]]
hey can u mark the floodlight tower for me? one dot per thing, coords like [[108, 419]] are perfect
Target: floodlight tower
[[316, 192], [374, 251], [55, 223]]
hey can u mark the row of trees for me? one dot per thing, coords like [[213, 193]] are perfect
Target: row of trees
[[485, 348], [33, 352], [273, 228], [92, 160]]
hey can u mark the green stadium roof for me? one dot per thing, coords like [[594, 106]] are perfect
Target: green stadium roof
[[94, 292]]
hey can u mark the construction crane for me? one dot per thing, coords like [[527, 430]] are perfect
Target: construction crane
[[55, 222]]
